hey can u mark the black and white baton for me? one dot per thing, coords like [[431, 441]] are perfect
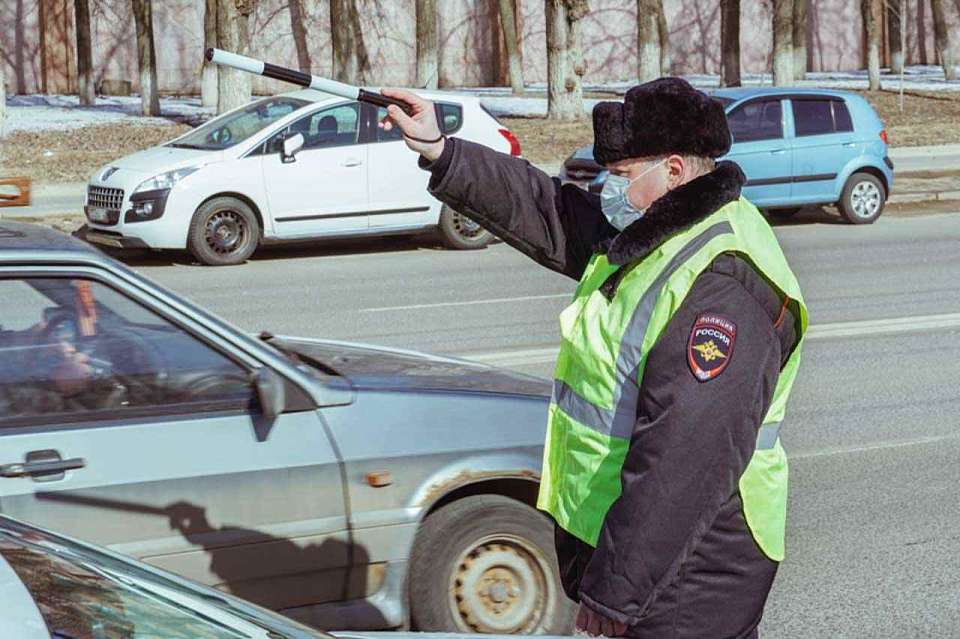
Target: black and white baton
[[267, 70]]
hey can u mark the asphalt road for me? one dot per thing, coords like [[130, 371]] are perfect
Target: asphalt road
[[872, 426]]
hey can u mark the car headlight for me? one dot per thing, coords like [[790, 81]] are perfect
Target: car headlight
[[165, 180]]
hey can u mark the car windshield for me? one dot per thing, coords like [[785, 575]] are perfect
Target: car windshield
[[235, 127], [82, 593]]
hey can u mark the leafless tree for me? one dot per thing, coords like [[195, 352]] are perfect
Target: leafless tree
[[233, 34], [428, 57], [800, 27], [508, 23], [146, 57], [783, 42], [663, 30], [565, 65], [210, 75], [19, 66], [350, 60], [922, 31], [84, 52], [894, 10], [3, 96], [941, 39], [648, 40], [299, 29], [870, 12], [730, 43]]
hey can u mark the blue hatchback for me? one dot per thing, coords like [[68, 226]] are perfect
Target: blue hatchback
[[797, 147]]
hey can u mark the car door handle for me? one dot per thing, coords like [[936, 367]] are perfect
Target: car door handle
[[25, 469], [849, 145], [351, 162], [778, 152]]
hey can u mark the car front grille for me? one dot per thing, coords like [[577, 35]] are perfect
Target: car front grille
[[104, 197]]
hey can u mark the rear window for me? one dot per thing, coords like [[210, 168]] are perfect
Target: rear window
[[759, 120], [450, 116], [821, 117]]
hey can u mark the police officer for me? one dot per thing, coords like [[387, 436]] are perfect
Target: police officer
[[663, 468]]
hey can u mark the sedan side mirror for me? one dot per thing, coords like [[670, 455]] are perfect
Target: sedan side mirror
[[270, 392], [290, 147]]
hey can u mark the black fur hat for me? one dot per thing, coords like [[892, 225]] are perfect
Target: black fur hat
[[659, 117]]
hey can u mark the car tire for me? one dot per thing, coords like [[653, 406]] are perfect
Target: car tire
[[783, 214], [460, 232], [862, 199], [487, 563], [223, 231]]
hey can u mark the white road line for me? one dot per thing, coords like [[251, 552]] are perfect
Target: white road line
[[498, 300], [857, 328], [828, 452]]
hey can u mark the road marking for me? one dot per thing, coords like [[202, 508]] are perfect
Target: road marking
[[498, 300], [857, 328], [846, 450]]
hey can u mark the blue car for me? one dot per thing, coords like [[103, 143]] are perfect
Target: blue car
[[797, 147]]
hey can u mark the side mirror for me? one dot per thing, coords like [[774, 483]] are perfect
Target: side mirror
[[270, 392], [291, 146]]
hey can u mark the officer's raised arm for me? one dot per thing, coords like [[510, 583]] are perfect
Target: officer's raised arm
[[557, 226]]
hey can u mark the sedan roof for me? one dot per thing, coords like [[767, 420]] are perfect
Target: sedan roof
[[23, 237]]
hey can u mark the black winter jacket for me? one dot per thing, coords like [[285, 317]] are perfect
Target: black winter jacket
[[675, 557]]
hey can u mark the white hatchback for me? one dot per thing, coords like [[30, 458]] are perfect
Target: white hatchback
[[295, 166]]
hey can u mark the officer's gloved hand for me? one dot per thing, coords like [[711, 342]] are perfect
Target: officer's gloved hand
[[421, 131]]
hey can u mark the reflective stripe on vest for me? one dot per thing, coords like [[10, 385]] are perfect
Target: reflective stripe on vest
[[600, 369]]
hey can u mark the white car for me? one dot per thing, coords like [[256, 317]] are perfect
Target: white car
[[294, 166]]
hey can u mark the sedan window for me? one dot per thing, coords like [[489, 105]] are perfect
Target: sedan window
[[759, 120], [75, 350]]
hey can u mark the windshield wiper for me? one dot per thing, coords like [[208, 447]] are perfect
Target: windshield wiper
[[184, 145]]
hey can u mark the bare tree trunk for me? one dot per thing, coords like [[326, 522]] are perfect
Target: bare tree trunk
[[350, 60], [233, 34], [508, 24], [565, 66], [922, 31], [783, 42], [299, 29], [84, 53], [666, 62], [428, 62], [800, 28], [730, 43], [941, 39], [649, 57], [3, 97], [19, 48], [146, 57], [869, 10], [210, 75], [894, 19]]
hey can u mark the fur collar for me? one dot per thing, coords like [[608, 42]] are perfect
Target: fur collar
[[679, 209]]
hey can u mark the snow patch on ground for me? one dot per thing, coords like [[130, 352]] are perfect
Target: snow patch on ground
[[53, 112]]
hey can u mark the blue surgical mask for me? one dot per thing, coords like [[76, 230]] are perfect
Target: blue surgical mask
[[614, 202]]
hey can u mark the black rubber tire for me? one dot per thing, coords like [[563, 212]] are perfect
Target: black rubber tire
[[461, 534], [241, 215], [847, 205], [783, 214], [460, 233]]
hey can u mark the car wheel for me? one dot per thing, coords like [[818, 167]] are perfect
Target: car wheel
[[783, 214], [862, 199], [487, 564], [223, 231], [457, 231]]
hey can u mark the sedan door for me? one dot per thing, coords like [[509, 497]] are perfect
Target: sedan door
[[824, 144], [127, 423], [762, 151], [323, 190]]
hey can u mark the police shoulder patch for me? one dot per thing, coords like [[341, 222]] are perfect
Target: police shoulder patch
[[710, 346]]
